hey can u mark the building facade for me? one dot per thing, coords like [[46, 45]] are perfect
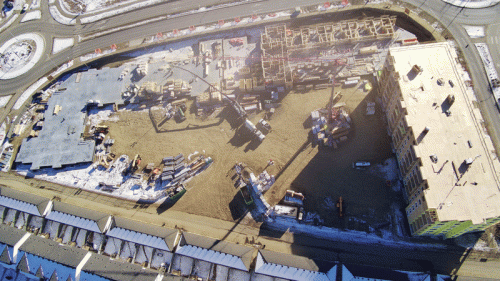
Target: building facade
[[444, 154]]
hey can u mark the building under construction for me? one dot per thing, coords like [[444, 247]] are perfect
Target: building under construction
[[315, 53]]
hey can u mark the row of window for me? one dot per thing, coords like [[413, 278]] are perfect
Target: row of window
[[412, 183], [419, 223], [435, 227], [413, 207]]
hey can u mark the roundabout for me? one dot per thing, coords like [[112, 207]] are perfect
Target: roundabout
[[20, 54]]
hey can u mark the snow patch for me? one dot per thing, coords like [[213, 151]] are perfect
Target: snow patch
[[25, 58], [61, 44], [62, 68], [59, 17], [4, 100], [28, 92], [333, 234], [474, 31], [6, 25], [34, 15], [94, 5], [2, 132]]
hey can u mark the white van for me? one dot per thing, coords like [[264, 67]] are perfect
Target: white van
[[360, 165]]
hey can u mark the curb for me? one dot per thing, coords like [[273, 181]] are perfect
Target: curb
[[472, 5], [379, 8]]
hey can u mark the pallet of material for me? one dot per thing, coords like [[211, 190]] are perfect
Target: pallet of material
[[169, 164], [167, 173], [336, 136], [179, 169], [168, 159], [179, 156], [179, 160], [166, 178], [168, 168], [179, 166], [181, 173], [178, 179]]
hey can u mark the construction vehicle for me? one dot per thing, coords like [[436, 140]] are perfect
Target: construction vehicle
[[174, 193], [251, 127], [264, 126], [293, 198], [154, 175], [101, 129], [247, 197], [134, 165], [180, 115], [340, 206]]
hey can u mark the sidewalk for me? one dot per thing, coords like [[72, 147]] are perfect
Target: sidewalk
[[472, 4]]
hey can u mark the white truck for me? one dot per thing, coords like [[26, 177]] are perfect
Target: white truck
[[251, 127]]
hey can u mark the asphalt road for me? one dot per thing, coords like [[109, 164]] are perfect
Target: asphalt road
[[450, 16]]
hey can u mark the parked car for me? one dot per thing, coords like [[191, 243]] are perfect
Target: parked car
[[360, 165]]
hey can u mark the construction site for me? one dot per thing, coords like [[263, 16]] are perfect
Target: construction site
[[316, 54], [295, 109]]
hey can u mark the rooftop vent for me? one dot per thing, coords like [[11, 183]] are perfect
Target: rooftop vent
[[422, 134], [450, 99], [434, 158], [417, 69]]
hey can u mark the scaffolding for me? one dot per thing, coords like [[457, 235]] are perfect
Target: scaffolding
[[285, 50]]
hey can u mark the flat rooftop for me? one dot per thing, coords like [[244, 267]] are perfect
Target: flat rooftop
[[60, 140], [456, 190]]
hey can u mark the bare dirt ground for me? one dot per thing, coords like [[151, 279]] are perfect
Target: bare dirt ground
[[321, 172], [318, 172]]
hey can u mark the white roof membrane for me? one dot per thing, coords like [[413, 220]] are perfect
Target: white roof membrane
[[138, 238], [19, 205], [211, 256], [73, 221]]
